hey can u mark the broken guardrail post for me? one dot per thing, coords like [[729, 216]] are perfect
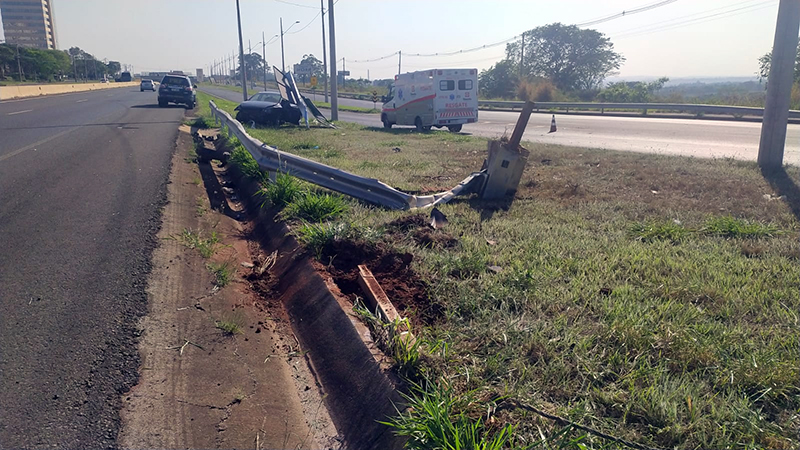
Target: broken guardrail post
[[506, 161]]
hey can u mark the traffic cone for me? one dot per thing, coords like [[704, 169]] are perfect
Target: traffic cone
[[553, 127]]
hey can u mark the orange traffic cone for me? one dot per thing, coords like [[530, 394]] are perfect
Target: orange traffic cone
[[553, 127]]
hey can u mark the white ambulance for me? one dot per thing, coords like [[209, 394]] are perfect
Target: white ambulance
[[432, 98]]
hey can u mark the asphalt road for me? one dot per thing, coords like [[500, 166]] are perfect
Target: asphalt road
[[83, 179], [686, 137]]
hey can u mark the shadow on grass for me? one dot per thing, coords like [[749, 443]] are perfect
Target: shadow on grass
[[412, 130], [783, 183]]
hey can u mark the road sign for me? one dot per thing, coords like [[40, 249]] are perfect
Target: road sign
[[374, 96], [303, 69], [313, 81], [344, 73]]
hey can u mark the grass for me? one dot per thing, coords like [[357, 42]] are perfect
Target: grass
[[605, 311], [223, 273], [231, 324], [315, 207], [200, 206], [358, 109], [283, 191], [206, 246]]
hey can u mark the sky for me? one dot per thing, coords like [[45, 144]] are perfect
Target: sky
[[683, 38]]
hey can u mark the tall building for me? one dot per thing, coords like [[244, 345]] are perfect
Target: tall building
[[29, 23]]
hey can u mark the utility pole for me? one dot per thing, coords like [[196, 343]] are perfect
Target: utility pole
[[19, 65], [779, 86], [283, 62], [334, 90], [324, 50], [399, 61], [241, 54], [522, 55], [264, 58]]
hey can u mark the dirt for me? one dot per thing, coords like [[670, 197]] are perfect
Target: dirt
[[201, 388], [418, 227], [406, 290]]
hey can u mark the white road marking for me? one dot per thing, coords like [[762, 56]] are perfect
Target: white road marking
[[81, 101], [19, 112]]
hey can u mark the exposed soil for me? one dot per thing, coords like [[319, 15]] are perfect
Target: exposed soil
[[406, 290], [418, 227]]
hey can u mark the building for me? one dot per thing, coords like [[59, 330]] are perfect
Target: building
[[29, 23]]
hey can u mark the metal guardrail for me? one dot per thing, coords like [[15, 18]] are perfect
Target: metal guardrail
[[735, 111], [367, 189], [690, 108]]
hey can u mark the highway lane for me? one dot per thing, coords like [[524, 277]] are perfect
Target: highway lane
[[82, 178], [686, 137]]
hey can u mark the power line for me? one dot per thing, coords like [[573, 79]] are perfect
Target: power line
[[295, 4], [702, 19], [373, 60], [310, 21], [626, 13]]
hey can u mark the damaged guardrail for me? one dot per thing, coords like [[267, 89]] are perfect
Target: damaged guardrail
[[368, 189], [697, 109]]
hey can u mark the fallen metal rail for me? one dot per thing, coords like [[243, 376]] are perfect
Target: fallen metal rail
[[368, 189]]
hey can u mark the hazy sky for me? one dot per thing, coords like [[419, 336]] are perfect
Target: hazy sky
[[681, 39]]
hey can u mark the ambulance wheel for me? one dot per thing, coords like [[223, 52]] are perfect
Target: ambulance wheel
[[386, 123], [454, 128], [418, 124]]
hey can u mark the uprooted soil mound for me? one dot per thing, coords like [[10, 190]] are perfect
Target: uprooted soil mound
[[406, 290], [418, 227]]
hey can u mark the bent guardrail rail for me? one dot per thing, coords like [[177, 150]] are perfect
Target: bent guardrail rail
[[736, 111], [367, 189]]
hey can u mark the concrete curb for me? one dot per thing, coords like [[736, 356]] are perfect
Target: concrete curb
[[36, 90], [357, 391]]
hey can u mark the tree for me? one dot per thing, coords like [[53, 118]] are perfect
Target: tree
[[500, 80], [631, 91], [572, 58], [311, 66], [765, 61], [114, 67], [255, 67], [7, 58]]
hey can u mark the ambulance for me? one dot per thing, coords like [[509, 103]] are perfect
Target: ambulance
[[432, 98]]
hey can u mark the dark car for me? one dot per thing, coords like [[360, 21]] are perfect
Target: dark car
[[268, 108], [177, 89]]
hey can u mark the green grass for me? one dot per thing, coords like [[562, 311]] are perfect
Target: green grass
[[283, 191], [358, 109], [223, 273], [605, 311], [315, 207], [731, 227], [206, 246], [231, 324]]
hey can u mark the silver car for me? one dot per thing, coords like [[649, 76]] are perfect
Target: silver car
[[147, 85]]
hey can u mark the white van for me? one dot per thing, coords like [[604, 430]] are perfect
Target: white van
[[432, 98]]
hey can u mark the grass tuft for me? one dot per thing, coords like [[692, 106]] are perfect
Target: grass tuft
[[242, 159], [315, 207], [231, 324], [730, 227], [318, 237], [659, 231], [283, 191], [223, 273], [195, 240]]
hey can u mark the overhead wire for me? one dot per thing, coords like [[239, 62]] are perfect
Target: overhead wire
[[310, 21], [702, 19]]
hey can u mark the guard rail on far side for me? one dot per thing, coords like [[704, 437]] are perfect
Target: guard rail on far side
[[368, 189], [698, 110]]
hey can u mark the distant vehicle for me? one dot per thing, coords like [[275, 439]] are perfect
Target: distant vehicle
[[177, 89], [268, 108], [147, 85], [124, 77], [432, 98]]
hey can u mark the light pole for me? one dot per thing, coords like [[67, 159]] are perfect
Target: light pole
[[283, 60], [241, 53], [324, 50]]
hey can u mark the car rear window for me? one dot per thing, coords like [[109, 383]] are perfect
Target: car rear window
[[175, 81]]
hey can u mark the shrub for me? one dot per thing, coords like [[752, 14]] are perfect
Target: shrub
[[283, 191], [313, 207]]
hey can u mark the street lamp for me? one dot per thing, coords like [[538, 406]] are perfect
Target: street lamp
[[283, 62]]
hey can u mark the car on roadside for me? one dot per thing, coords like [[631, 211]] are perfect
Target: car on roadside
[[147, 85], [178, 89], [268, 108]]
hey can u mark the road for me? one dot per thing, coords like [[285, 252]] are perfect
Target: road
[[686, 137], [83, 180]]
